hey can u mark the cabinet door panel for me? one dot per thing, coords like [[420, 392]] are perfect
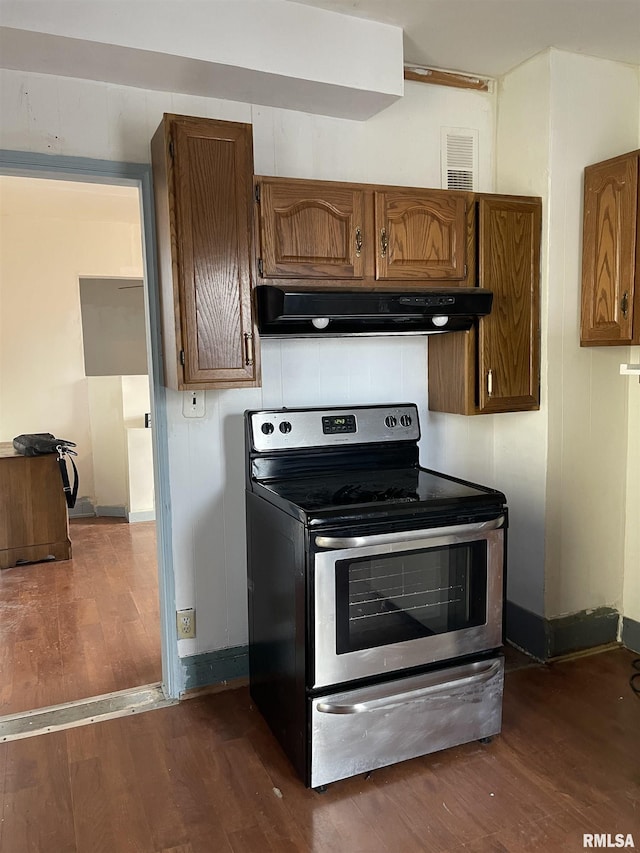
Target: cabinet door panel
[[508, 338], [213, 235], [420, 235], [311, 231], [206, 276], [609, 251]]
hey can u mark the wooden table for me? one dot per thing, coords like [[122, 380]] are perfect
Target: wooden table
[[34, 525]]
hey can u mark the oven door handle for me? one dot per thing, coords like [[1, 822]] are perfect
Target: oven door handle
[[389, 697], [408, 535]]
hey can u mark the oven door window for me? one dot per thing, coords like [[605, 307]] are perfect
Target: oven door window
[[390, 598]]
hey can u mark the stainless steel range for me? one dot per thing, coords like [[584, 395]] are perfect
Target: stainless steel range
[[375, 591]]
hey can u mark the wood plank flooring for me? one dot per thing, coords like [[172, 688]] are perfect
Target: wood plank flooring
[[207, 776], [85, 626]]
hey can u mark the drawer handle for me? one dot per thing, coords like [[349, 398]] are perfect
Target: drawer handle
[[467, 675], [459, 530]]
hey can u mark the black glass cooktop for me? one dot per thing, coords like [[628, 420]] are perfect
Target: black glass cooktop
[[380, 488]]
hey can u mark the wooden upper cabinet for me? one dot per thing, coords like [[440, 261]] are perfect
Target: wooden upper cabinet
[[203, 186], [420, 234], [310, 229], [359, 234], [496, 366], [509, 233], [610, 251]]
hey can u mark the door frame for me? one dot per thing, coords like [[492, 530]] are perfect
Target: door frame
[[34, 165]]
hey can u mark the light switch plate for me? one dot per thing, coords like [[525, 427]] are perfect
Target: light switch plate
[[193, 404]]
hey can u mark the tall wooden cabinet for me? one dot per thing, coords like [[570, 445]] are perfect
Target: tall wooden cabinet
[[203, 187], [611, 253], [496, 367]]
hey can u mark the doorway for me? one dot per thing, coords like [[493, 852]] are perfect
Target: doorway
[[115, 534]]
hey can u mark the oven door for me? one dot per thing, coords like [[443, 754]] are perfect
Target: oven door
[[392, 601]]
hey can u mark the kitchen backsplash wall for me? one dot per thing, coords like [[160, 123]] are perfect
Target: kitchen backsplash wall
[[207, 464]]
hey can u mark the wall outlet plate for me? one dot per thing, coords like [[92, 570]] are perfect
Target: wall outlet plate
[[193, 404], [186, 623]]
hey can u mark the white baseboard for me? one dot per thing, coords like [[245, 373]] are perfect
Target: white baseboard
[[142, 515]]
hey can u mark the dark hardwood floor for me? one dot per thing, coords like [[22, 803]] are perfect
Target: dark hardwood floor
[[206, 776], [85, 626]]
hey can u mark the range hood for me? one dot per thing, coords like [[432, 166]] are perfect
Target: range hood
[[298, 313]]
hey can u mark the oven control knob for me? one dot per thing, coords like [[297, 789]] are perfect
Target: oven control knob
[[405, 420], [390, 421], [267, 429], [285, 427]]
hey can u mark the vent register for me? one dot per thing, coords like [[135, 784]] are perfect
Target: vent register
[[459, 158]]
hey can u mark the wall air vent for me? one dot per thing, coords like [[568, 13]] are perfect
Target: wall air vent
[[459, 158]]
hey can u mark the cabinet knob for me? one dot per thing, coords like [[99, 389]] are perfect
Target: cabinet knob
[[384, 242], [624, 304], [358, 242]]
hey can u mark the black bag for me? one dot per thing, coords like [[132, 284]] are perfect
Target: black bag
[[41, 443]]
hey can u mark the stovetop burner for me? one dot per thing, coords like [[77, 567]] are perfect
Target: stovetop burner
[[357, 493]]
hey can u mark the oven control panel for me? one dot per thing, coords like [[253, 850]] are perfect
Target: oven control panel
[[280, 429], [332, 424]]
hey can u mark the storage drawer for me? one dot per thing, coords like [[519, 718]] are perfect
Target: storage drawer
[[358, 730]]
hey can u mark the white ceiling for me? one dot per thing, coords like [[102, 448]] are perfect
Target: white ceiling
[[490, 37]]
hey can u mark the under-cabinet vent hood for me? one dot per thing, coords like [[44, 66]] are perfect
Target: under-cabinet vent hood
[[287, 313]]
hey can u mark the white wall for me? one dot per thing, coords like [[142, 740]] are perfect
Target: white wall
[[140, 476], [521, 438], [121, 446], [631, 591], [206, 456], [108, 444], [136, 400], [52, 233], [579, 492], [589, 422], [140, 493]]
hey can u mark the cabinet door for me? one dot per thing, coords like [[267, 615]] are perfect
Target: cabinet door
[[508, 338], [310, 230], [609, 252], [420, 235], [203, 182]]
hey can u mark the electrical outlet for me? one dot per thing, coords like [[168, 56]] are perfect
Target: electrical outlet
[[193, 404], [186, 623]]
